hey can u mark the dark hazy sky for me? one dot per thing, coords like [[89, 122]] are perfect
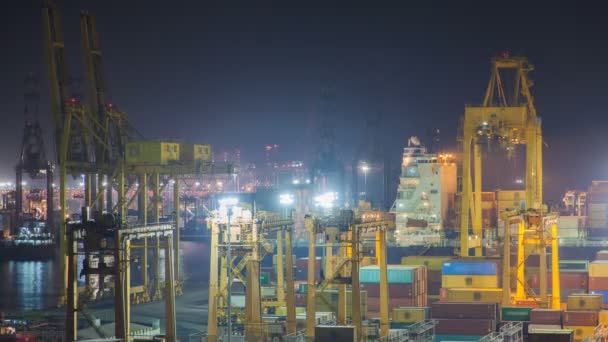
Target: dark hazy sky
[[249, 76]]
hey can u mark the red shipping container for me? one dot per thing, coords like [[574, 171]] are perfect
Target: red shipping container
[[601, 255], [598, 283], [546, 316], [434, 276], [465, 326], [25, 337], [567, 280], [580, 318]]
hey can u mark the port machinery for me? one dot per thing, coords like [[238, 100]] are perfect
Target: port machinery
[[346, 230], [239, 241], [91, 140], [507, 116]]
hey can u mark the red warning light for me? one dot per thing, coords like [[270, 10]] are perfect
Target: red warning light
[[110, 105], [73, 100]]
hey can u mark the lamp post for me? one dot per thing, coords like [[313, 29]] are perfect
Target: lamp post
[[365, 168]]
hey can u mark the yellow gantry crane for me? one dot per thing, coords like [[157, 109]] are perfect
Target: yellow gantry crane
[[535, 233], [509, 116], [344, 230], [92, 141], [239, 241]]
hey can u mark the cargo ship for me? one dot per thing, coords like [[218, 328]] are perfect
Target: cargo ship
[[31, 241]]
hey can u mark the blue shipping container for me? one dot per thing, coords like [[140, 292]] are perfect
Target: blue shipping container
[[603, 293], [397, 274], [468, 268]]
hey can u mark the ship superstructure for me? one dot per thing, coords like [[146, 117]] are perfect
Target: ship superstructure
[[425, 196]]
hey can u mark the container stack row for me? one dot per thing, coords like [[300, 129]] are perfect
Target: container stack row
[[464, 321], [598, 279], [433, 266], [470, 281], [406, 287]]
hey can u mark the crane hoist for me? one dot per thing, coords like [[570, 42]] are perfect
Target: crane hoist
[[508, 116], [344, 230]]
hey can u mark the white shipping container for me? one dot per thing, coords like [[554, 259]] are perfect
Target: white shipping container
[[569, 222]]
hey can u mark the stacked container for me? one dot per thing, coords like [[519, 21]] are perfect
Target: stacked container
[[302, 269], [545, 319], [573, 278], [433, 266], [406, 287], [598, 279], [470, 281], [582, 314], [408, 315], [462, 321], [597, 198]]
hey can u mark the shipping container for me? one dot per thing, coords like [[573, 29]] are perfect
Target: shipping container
[[481, 281], [458, 267], [601, 255], [580, 332], [474, 295], [195, 153], [603, 293], [533, 327], [152, 152], [546, 316], [397, 274], [264, 278], [598, 283], [585, 302], [510, 313], [282, 310], [432, 263], [335, 333], [410, 315], [580, 318], [455, 310], [465, 326], [551, 335], [603, 317], [573, 265]]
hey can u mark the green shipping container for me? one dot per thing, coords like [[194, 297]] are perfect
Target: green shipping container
[[303, 288], [574, 265], [516, 313], [453, 337], [397, 274], [264, 278]]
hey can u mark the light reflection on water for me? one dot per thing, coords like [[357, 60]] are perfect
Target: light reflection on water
[[32, 285]]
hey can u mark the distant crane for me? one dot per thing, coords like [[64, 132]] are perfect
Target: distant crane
[[32, 158]]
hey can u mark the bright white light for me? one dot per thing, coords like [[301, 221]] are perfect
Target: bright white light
[[485, 123], [104, 184], [53, 185], [228, 201], [286, 199], [364, 167], [219, 183], [81, 184], [24, 183], [296, 181], [326, 200], [137, 184], [197, 184], [172, 181], [307, 181], [519, 181]]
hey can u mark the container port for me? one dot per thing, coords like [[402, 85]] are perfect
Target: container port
[[122, 226]]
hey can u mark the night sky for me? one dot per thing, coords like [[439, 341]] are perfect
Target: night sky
[[244, 77]]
